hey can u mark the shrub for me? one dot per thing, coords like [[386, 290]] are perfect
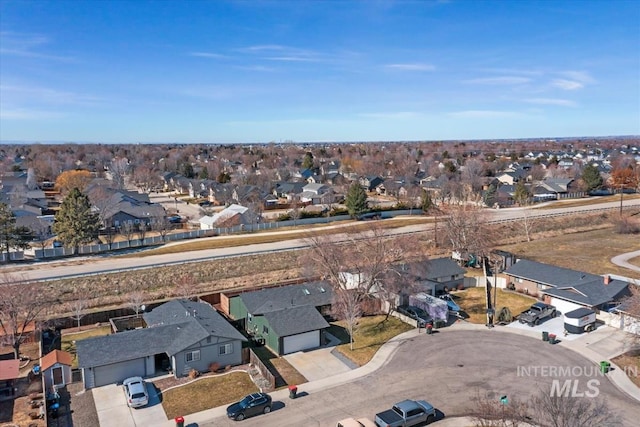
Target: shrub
[[214, 367], [626, 225], [193, 374]]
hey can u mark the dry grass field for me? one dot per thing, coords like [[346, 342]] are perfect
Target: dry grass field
[[589, 251]]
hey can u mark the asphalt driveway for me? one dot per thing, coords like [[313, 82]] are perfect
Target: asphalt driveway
[[448, 369], [113, 410]]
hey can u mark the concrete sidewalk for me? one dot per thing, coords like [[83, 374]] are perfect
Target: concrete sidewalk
[[599, 345]]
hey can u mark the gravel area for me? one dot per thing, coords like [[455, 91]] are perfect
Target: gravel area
[[82, 406]]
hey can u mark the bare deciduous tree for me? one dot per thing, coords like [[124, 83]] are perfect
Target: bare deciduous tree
[[184, 285], [369, 263], [136, 301], [161, 225], [20, 306], [78, 306], [128, 229], [347, 306], [571, 411]]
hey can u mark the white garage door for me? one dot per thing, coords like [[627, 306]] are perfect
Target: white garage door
[[300, 342], [564, 306], [117, 372]]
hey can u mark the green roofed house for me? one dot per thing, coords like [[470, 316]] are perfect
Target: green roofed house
[[286, 318], [181, 335]]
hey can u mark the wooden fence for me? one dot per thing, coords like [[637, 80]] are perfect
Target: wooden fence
[[255, 361]]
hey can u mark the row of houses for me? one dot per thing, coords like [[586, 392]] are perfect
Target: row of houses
[[184, 335]]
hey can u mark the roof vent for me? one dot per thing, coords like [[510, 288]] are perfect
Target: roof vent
[[322, 289]]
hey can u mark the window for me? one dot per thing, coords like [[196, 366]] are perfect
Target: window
[[192, 356], [226, 349], [265, 329], [250, 317]]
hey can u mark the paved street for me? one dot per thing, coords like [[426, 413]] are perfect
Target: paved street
[[54, 270], [448, 369]]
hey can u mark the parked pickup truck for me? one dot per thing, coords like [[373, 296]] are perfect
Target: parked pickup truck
[[406, 414], [537, 312]]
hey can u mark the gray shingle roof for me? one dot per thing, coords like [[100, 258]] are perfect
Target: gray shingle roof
[[591, 294], [549, 274], [312, 294], [440, 267], [295, 320], [172, 327], [200, 314], [127, 345]]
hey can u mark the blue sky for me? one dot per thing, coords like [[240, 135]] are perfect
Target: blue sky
[[259, 71]]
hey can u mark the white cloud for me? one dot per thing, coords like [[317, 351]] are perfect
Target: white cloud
[[484, 114], [293, 58], [504, 80], [551, 101], [27, 114], [256, 68], [392, 115], [412, 67], [580, 76], [567, 84], [27, 45], [283, 53], [46, 95], [573, 80], [207, 55]]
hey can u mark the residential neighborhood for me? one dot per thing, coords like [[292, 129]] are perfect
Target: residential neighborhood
[[307, 327]]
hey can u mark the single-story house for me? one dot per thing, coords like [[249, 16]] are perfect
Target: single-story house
[[564, 288], [181, 335], [56, 369], [286, 318], [228, 217]]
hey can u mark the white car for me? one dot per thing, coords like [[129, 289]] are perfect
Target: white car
[[360, 422], [135, 389]]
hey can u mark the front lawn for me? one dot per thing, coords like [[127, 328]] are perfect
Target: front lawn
[[629, 362], [69, 339], [207, 393], [472, 301], [368, 338]]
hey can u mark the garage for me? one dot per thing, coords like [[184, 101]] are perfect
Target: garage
[[564, 306], [117, 372], [300, 342]]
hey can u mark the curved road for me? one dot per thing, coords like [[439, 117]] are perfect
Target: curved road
[[55, 270], [448, 369]]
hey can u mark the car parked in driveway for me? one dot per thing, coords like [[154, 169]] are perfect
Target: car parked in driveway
[[453, 307], [250, 405], [416, 313], [135, 389]]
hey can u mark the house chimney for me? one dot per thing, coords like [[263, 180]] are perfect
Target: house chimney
[[607, 279]]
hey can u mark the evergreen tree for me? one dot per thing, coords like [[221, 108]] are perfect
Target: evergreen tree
[[204, 174], [490, 196], [187, 170], [307, 163], [75, 223], [591, 178], [426, 203], [356, 200], [12, 236], [521, 194]]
